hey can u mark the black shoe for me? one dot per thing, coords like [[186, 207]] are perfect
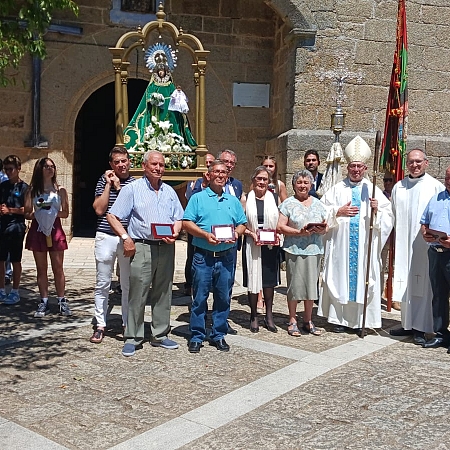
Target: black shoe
[[435, 343], [253, 329], [419, 338], [231, 330], [448, 351], [339, 329], [273, 329], [194, 347], [221, 345], [401, 332]]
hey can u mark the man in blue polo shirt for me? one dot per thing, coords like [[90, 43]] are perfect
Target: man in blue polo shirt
[[213, 261], [436, 218]]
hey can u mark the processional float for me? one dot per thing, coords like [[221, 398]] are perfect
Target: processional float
[[164, 109]]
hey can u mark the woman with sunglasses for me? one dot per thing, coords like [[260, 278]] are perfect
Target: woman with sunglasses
[[46, 204]]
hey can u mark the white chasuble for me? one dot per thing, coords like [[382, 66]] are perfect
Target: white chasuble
[[411, 284], [345, 261]]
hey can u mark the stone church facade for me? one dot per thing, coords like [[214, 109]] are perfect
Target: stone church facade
[[284, 44]]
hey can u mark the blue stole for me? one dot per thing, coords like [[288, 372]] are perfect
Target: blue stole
[[354, 245]]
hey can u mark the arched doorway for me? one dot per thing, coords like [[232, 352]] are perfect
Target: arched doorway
[[94, 138]]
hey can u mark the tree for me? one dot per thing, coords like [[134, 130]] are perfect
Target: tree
[[23, 24]]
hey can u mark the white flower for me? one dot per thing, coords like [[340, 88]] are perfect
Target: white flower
[[176, 148], [149, 132], [184, 163], [154, 120], [157, 99], [165, 126], [167, 160], [152, 144], [164, 148]]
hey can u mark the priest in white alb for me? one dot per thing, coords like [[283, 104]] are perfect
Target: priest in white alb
[[350, 204], [411, 284]]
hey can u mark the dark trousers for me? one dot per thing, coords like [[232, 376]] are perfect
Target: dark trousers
[[439, 269], [188, 265]]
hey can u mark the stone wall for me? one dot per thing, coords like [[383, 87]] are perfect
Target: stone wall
[[363, 31]]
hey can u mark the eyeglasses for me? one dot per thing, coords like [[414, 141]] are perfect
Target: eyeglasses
[[387, 180], [356, 166], [49, 166], [261, 179], [219, 172]]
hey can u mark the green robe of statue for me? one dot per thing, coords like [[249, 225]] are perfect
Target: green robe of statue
[[134, 132]]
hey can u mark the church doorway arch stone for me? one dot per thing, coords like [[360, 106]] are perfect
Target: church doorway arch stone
[[94, 138]]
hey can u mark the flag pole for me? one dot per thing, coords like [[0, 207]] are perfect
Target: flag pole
[[393, 156], [369, 246]]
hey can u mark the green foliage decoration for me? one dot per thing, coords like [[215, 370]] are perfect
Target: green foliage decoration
[[23, 24]]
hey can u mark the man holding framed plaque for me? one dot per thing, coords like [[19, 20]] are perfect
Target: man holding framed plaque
[[435, 230], [216, 220], [155, 214]]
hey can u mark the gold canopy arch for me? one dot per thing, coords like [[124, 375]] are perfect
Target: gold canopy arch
[[120, 59]]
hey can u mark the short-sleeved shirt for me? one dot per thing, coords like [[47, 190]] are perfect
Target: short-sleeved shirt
[[206, 209], [102, 223], [437, 213], [13, 196], [299, 216], [141, 205]]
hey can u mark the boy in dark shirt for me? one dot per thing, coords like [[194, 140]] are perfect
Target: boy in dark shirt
[[12, 226]]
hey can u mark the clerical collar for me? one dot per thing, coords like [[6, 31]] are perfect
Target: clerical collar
[[415, 178], [354, 183]]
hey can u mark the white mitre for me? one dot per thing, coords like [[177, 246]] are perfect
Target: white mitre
[[357, 150]]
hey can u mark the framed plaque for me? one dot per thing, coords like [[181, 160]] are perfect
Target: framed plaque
[[267, 237], [162, 230], [223, 232]]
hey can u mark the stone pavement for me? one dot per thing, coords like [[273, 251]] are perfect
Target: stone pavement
[[270, 391]]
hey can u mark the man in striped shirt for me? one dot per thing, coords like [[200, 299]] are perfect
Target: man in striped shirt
[[108, 246], [146, 202]]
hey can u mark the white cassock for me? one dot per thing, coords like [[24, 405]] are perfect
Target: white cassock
[[411, 285], [345, 261]]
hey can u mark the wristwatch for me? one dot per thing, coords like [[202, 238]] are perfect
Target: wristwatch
[[124, 236]]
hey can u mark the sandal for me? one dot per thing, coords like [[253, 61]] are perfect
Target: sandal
[[98, 336], [309, 327], [294, 331]]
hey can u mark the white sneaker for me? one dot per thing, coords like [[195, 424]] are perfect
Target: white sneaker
[[64, 309], [12, 298], [42, 310]]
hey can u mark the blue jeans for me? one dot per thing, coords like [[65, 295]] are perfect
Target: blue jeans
[[216, 275]]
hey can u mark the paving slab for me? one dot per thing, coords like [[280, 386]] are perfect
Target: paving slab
[[335, 391]]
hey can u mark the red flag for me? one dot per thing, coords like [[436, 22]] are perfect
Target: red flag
[[393, 150]]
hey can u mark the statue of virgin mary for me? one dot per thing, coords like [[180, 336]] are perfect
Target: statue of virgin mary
[[161, 100]]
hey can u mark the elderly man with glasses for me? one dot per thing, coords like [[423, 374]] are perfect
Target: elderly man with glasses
[[411, 285], [350, 206], [216, 220]]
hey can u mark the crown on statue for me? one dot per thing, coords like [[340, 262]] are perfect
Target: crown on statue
[[160, 54]]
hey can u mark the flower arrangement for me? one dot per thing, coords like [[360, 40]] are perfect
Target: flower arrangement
[[159, 136]]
